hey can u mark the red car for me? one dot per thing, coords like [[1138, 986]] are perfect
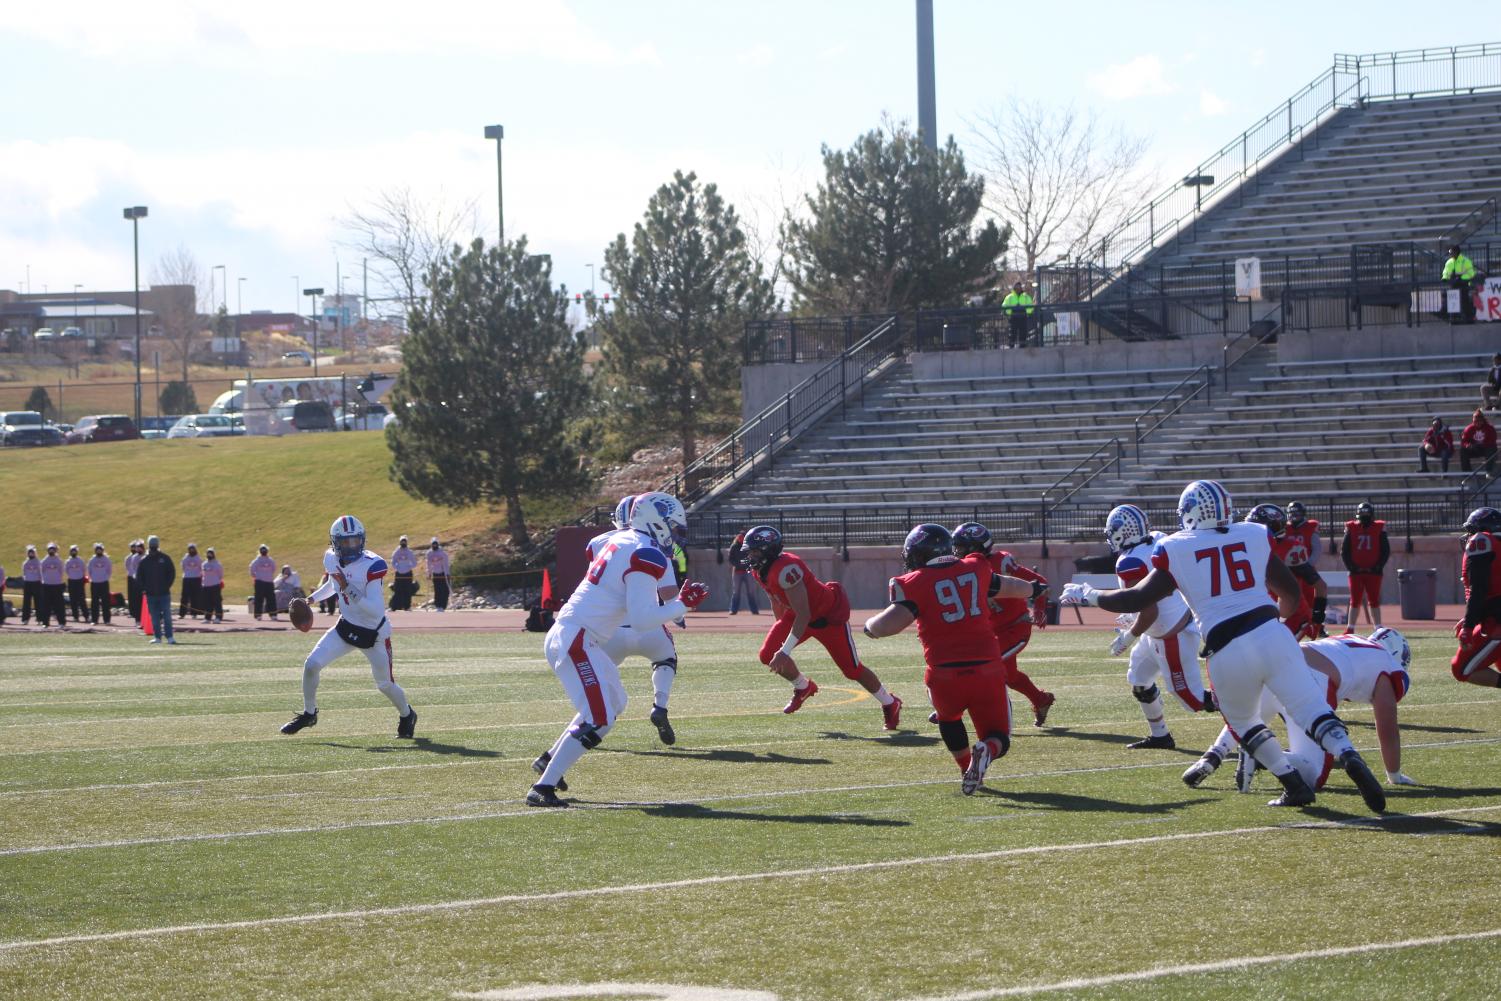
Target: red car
[[103, 427]]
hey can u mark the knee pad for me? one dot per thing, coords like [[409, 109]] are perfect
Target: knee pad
[[1146, 695], [1327, 725], [587, 735], [1255, 737], [1004, 739], [671, 662], [955, 736]]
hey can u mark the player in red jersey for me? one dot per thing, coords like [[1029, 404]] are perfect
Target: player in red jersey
[[1274, 520], [1012, 618], [1302, 535], [1365, 550], [1479, 632], [805, 606], [949, 598]]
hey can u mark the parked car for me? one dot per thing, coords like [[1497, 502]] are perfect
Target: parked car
[[236, 423], [22, 427], [373, 419], [102, 427], [297, 358], [62, 426], [72, 332], [51, 436], [157, 427], [306, 415], [44, 334], [202, 426]]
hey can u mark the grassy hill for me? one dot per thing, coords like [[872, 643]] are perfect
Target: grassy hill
[[232, 494]]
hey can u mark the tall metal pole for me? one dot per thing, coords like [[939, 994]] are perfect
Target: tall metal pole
[[927, 102], [498, 133], [135, 214]]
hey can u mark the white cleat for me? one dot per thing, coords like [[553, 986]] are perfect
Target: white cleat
[[974, 775]]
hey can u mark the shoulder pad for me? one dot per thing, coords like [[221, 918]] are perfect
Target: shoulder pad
[[1480, 544], [649, 561], [1005, 562], [788, 574], [894, 591], [376, 569], [1159, 555]]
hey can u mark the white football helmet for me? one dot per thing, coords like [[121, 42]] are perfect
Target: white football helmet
[[346, 536], [1205, 504], [1395, 644], [622, 512], [660, 517], [1126, 526]]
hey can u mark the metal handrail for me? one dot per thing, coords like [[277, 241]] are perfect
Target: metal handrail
[[1203, 370], [1225, 362], [1469, 225], [1119, 454]]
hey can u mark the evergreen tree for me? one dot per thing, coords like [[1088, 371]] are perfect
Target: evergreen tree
[[178, 398], [892, 228], [492, 376], [40, 401], [685, 283]]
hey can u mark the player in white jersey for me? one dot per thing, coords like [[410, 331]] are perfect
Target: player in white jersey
[[1223, 570], [654, 644], [357, 576], [1167, 639], [620, 587]]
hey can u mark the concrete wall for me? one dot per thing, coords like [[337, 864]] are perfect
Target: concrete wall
[[762, 385], [1389, 342], [1109, 356]]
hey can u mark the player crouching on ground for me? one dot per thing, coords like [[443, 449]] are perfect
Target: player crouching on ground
[[1479, 632], [620, 587], [357, 576], [806, 606], [949, 598], [1167, 640]]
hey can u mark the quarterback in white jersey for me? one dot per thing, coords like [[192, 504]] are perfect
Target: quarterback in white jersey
[[357, 576], [1223, 570], [620, 587], [1167, 639]]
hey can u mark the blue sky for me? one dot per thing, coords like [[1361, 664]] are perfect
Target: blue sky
[[250, 129]]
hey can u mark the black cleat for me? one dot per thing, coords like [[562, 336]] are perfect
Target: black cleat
[[664, 728], [1211, 704], [542, 795], [1201, 769], [300, 722], [407, 725], [1370, 790], [1162, 743], [539, 765], [1295, 792]]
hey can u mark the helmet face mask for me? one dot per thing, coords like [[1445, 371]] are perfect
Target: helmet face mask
[[924, 544], [1271, 516], [763, 544], [1365, 513], [971, 537], [1483, 519], [660, 517], [1126, 526], [1394, 643], [1296, 513], [346, 537]]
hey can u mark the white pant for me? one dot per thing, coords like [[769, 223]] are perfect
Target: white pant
[[655, 644], [1176, 660], [1303, 752], [589, 676], [331, 647], [1265, 657]]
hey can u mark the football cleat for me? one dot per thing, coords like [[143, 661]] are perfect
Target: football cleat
[[1370, 789], [1211, 704], [933, 717], [974, 775], [1162, 743], [799, 696], [1245, 770], [1040, 711], [891, 714], [299, 722], [1295, 791], [539, 765], [541, 795], [1201, 769], [407, 725], [658, 719]]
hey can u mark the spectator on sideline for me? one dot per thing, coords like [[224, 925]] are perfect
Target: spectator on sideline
[[189, 603], [1477, 441], [1459, 272], [100, 569], [1365, 550], [75, 569], [263, 572], [1490, 389], [1019, 308], [53, 600], [31, 587], [155, 575], [288, 586], [1437, 442], [741, 572], [437, 570], [133, 589], [211, 587], [404, 566]]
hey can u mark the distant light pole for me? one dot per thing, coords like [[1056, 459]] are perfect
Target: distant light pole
[[296, 290], [498, 132], [76, 287], [240, 296], [313, 294], [135, 214], [591, 280], [225, 274]]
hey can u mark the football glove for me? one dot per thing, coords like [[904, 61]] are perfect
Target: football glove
[[1122, 640], [1040, 611], [1078, 594], [693, 593]]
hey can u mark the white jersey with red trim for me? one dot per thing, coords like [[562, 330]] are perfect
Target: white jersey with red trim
[[1221, 573], [598, 605], [362, 599], [1131, 566], [1360, 664]]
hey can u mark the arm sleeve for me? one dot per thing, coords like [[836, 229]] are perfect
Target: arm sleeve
[[373, 601], [643, 609], [323, 591]]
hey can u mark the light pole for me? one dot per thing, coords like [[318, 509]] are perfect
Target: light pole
[[591, 280], [76, 287], [313, 294], [135, 214], [498, 132], [240, 296], [224, 273], [296, 290]]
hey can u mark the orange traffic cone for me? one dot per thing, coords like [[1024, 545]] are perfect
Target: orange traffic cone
[[145, 616]]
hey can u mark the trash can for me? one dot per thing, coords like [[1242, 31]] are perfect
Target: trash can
[[1417, 589], [1053, 612]]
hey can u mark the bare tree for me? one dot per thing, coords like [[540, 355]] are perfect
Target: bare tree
[[180, 316], [1061, 179], [402, 235]]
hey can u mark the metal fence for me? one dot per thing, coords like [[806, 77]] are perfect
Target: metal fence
[[71, 400], [788, 339]]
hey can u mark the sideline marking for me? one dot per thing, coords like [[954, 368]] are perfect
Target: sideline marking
[[676, 884]]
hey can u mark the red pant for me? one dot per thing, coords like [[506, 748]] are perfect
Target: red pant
[[1014, 640], [1365, 587], [1483, 651], [831, 629], [979, 691]]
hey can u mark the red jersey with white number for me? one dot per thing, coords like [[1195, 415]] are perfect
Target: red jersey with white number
[[1298, 543], [1482, 544], [1221, 574], [949, 599], [598, 604], [1361, 664], [786, 571], [1365, 543], [1010, 612]]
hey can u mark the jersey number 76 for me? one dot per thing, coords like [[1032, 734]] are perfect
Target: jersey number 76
[[1232, 561]]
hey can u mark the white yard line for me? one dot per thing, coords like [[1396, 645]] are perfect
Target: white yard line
[[638, 888], [1216, 966], [770, 794]]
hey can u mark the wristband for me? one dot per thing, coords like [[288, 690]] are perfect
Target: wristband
[[789, 646]]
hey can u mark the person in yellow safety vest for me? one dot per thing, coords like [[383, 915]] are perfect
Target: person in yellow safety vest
[[1459, 272], [1020, 318]]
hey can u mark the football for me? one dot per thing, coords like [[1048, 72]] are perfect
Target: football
[[301, 614]]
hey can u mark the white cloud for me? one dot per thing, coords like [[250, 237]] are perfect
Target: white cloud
[[758, 56], [1141, 77], [1211, 104]]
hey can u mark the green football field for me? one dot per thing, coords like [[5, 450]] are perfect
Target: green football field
[[162, 840]]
